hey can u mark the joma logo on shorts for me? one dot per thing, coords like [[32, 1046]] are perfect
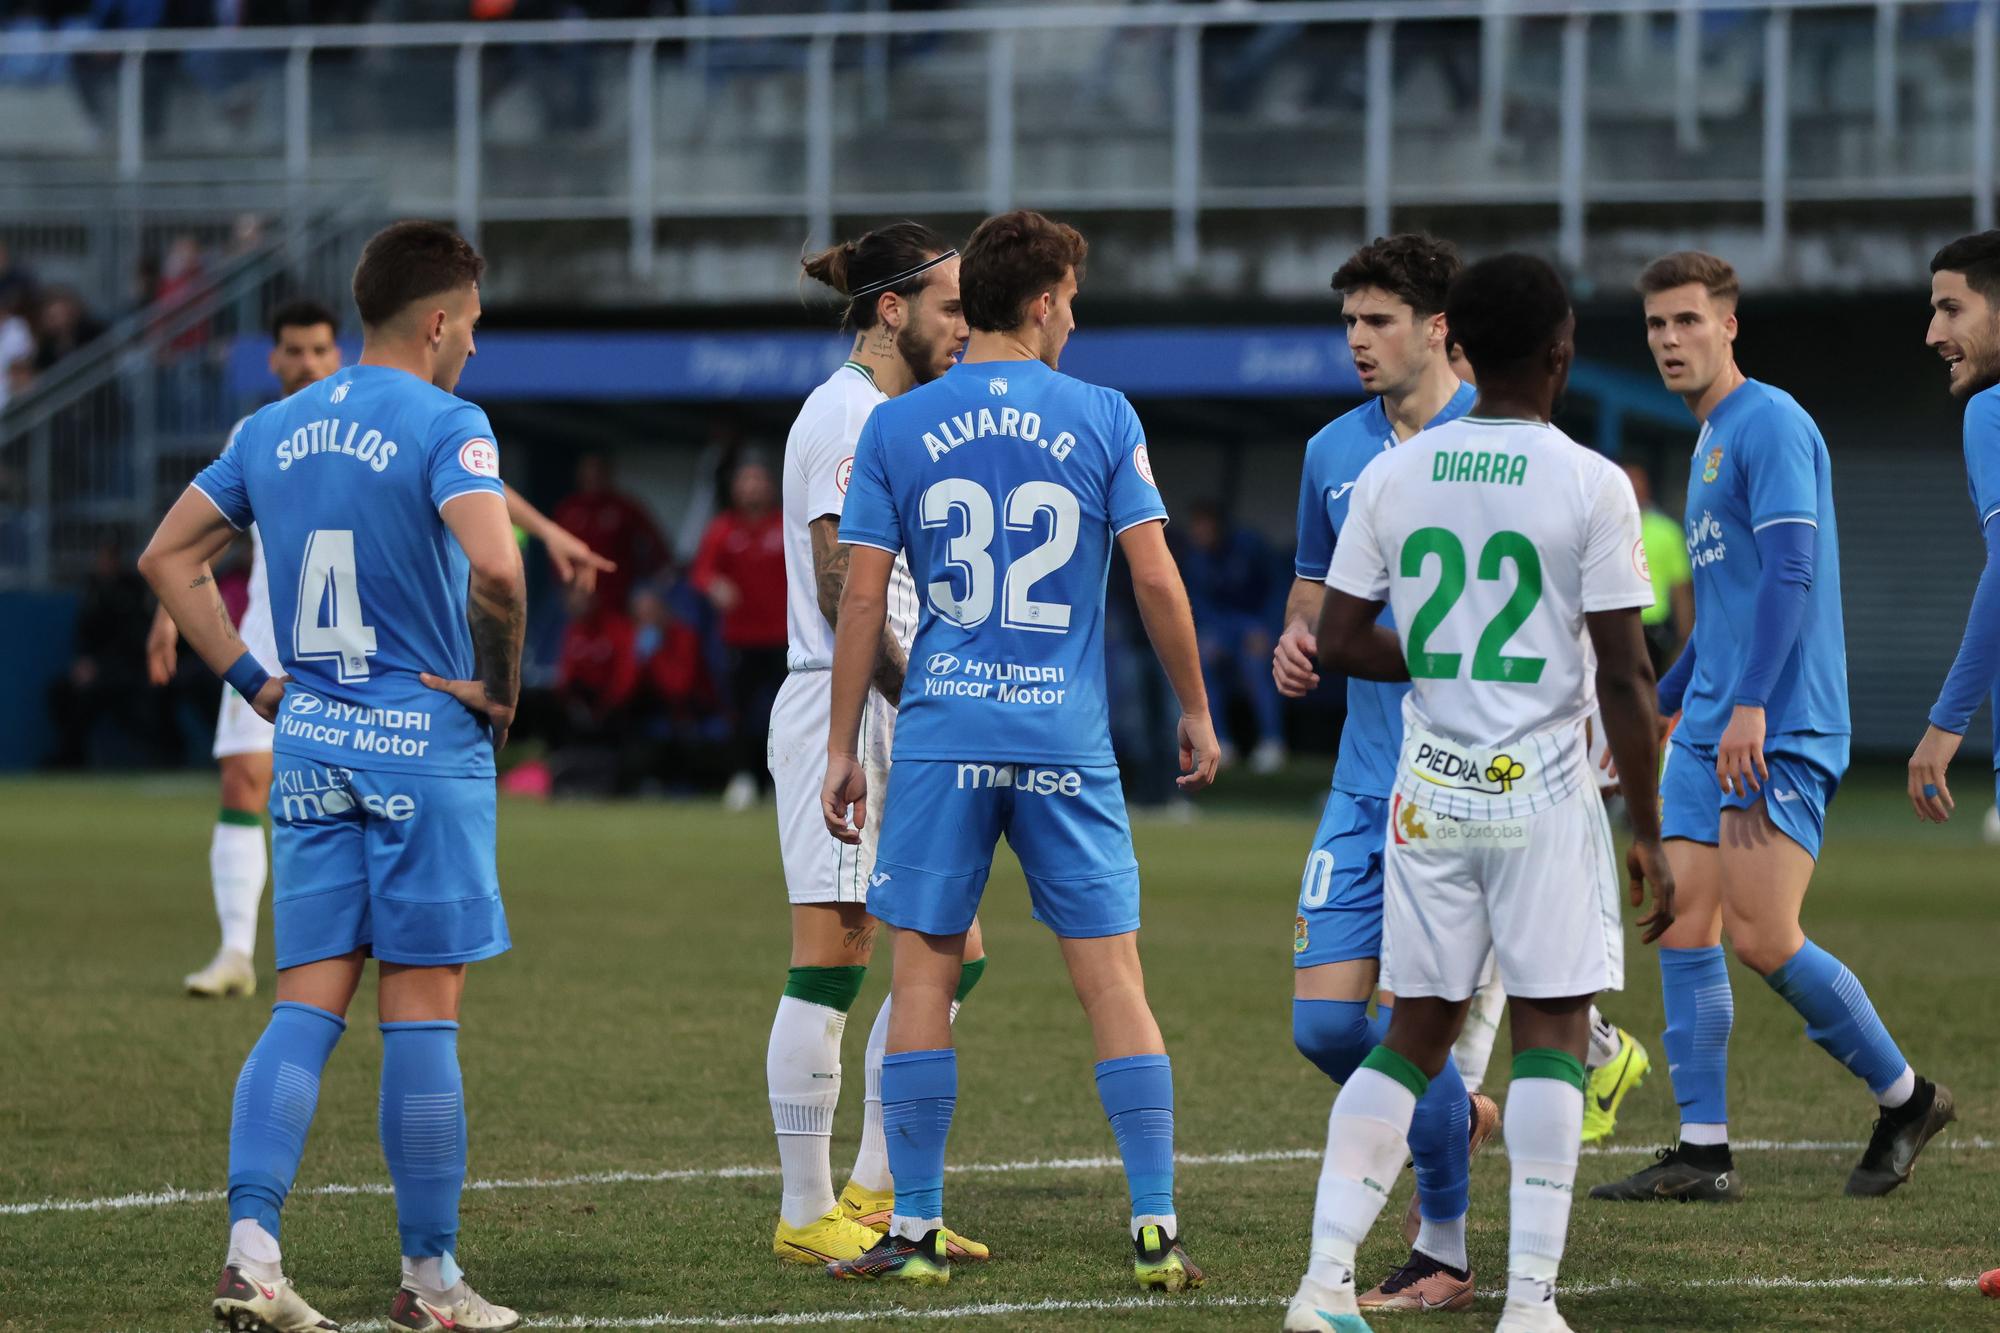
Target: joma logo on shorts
[[1040, 781]]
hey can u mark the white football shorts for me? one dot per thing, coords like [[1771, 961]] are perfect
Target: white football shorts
[[238, 729], [819, 868], [1540, 892]]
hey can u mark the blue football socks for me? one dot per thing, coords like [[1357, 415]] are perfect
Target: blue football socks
[[1137, 1092], [1839, 1016], [1700, 1012], [276, 1095], [423, 1132], [919, 1094]]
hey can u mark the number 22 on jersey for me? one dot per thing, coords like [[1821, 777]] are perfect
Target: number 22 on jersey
[[329, 626], [1488, 662]]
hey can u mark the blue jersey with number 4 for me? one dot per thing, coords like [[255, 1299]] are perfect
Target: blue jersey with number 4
[[346, 481], [1006, 483]]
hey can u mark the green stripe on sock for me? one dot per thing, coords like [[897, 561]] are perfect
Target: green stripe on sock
[[241, 818], [1542, 1062], [1386, 1062], [833, 987], [968, 977]]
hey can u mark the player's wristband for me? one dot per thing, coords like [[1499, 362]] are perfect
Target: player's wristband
[[246, 675]]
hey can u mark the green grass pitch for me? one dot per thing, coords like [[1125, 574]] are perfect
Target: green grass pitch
[[626, 1033]]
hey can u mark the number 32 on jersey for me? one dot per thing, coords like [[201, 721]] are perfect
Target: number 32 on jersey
[[965, 509]]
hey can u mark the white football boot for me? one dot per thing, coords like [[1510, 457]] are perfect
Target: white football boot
[[245, 1304], [228, 973], [459, 1310], [1317, 1309]]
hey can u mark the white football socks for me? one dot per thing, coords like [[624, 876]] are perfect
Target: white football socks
[[1603, 1042], [237, 866], [802, 1067], [871, 1160], [1365, 1147], [1544, 1132], [1474, 1048], [254, 1250], [432, 1277], [1444, 1241]]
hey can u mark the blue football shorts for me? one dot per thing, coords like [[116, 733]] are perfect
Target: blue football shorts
[[1805, 772], [1067, 826], [399, 864], [1340, 894]]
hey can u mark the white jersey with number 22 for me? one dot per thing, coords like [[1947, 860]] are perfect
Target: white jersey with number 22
[[1490, 540]]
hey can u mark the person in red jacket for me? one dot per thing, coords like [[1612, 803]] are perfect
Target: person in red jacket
[[614, 525], [740, 568], [599, 668]]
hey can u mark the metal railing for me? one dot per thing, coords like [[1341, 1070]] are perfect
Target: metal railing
[[101, 443], [1579, 104]]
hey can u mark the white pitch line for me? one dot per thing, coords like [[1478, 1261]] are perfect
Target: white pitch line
[[993, 1309], [171, 1196]]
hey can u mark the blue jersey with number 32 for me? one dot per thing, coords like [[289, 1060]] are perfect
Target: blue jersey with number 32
[[346, 481], [1006, 483]]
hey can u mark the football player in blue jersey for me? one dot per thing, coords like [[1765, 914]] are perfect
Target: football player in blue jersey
[[397, 593], [1392, 301], [1006, 484], [1965, 331], [1761, 744]]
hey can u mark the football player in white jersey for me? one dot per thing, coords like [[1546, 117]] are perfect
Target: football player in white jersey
[[901, 285], [1512, 559], [304, 350]]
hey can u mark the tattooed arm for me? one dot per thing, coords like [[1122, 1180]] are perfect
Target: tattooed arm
[[498, 612], [830, 561], [175, 563]]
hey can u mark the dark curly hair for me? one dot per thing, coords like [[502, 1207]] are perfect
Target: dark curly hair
[[1503, 311], [1415, 267]]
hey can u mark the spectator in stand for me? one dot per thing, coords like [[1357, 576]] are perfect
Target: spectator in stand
[[1233, 583], [1670, 619], [65, 326], [680, 737], [106, 679], [17, 348], [615, 526], [741, 569], [17, 284], [598, 670]]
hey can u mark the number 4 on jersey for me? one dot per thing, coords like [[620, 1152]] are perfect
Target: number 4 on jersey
[[329, 625]]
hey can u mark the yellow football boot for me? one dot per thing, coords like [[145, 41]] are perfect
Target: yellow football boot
[[873, 1211]]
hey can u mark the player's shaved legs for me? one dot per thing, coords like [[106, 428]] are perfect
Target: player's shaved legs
[[246, 781], [1697, 895], [1764, 880], [1112, 988], [926, 979], [327, 984], [420, 994], [1352, 980]]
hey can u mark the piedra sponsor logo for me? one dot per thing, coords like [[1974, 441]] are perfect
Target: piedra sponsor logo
[[1445, 767]]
